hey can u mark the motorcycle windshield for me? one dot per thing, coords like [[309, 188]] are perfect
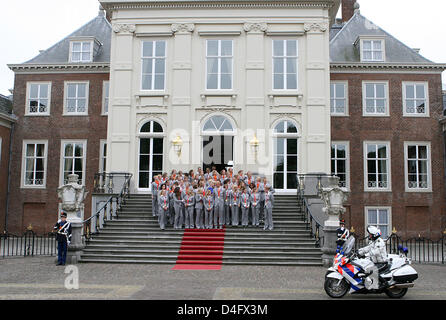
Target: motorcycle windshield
[[348, 245]]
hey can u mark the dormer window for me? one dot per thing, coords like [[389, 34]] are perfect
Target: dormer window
[[372, 49], [83, 49]]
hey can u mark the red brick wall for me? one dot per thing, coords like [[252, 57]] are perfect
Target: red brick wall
[[412, 213], [4, 161], [41, 205]]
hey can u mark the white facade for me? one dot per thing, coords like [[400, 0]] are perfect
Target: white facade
[[251, 105]]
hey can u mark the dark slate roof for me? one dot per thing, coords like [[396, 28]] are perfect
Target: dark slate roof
[[5, 104], [99, 28], [343, 37]]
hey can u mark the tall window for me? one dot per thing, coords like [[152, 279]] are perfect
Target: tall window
[[34, 163], [377, 165], [81, 51], [415, 100], [375, 99], [219, 59], [73, 159], [340, 162], [153, 65], [76, 98], [285, 156], [372, 50], [151, 145], [38, 101], [338, 98], [103, 156], [379, 217], [417, 166], [105, 97], [285, 58]]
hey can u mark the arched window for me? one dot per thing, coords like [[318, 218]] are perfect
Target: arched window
[[151, 147], [217, 125], [285, 155]]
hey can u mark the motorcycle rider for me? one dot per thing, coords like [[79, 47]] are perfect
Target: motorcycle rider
[[376, 253]]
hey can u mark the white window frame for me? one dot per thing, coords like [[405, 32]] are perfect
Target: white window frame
[[105, 97], [62, 158], [219, 57], [284, 57], [429, 166], [383, 49], [389, 219], [82, 42], [152, 83], [426, 98], [347, 160], [364, 98], [389, 167], [102, 157], [346, 109], [28, 93], [23, 185], [87, 94]]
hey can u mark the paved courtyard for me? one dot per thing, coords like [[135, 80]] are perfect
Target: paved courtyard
[[40, 278]]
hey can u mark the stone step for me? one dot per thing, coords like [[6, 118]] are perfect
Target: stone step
[[156, 228]]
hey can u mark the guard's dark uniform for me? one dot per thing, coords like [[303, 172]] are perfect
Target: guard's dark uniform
[[342, 234], [63, 238]]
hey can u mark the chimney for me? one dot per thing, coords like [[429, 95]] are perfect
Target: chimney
[[348, 9]]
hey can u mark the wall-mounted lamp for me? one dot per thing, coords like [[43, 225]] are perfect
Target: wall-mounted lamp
[[254, 143], [177, 145]]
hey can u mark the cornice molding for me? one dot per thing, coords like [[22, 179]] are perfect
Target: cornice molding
[[172, 4], [343, 66], [60, 67]]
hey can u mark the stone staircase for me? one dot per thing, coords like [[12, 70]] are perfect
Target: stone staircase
[[135, 237]]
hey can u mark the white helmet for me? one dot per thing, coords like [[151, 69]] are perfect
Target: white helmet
[[374, 232]]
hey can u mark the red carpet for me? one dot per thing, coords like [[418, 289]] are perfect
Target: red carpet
[[201, 249]]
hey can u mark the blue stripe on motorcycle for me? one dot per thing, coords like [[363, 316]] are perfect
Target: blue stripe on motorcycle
[[347, 270]]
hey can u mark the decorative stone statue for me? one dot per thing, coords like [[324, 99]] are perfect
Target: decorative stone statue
[[73, 196], [334, 198]]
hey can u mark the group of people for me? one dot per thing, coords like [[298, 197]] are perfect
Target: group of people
[[210, 199]]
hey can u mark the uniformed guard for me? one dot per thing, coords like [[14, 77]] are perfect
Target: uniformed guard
[[342, 233], [63, 238]]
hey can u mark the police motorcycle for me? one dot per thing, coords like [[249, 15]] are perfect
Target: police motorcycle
[[348, 273]]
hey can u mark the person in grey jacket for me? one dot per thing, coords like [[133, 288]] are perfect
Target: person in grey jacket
[[178, 207], [219, 206], [189, 203], [163, 203], [208, 208], [227, 218], [269, 204], [235, 205], [255, 206], [244, 203], [155, 189], [199, 197]]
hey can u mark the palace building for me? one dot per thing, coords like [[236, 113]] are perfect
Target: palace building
[[278, 88]]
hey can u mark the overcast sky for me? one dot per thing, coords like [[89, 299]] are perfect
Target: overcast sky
[[26, 28]]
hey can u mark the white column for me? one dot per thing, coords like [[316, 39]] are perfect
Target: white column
[[317, 131], [120, 118]]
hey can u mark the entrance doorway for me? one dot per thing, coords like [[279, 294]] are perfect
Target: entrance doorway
[[218, 143]]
